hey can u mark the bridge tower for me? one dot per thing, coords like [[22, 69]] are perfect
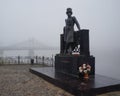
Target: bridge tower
[[31, 52]]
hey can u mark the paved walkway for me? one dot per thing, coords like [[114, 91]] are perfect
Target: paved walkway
[[16, 80]]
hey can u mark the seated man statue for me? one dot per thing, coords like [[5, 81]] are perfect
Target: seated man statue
[[69, 31]]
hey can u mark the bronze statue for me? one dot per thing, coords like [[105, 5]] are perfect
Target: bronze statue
[[69, 30]]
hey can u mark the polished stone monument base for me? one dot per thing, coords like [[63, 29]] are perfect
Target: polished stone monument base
[[69, 64], [95, 85]]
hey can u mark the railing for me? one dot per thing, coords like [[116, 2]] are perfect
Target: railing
[[27, 60]]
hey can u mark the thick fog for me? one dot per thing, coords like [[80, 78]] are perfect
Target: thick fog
[[44, 21]]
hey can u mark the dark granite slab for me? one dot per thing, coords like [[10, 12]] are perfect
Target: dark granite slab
[[69, 64], [96, 84]]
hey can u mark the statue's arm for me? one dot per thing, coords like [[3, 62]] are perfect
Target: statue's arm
[[76, 22]]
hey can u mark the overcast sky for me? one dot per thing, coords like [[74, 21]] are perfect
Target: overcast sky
[[44, 20]]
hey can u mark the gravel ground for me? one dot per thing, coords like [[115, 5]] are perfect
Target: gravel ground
[[16, 80]]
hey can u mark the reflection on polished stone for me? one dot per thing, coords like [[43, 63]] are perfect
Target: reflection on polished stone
[[96, 84]]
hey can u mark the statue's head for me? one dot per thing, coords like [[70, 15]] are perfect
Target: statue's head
[[69, 11]]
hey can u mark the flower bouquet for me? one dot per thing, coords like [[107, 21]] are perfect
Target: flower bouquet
[[85, 70]]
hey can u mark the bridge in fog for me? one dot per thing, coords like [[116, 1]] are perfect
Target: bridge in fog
[[30, 45]]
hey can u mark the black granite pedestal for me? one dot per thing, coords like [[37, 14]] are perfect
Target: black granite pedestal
[[95, 85], [69, 64]]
